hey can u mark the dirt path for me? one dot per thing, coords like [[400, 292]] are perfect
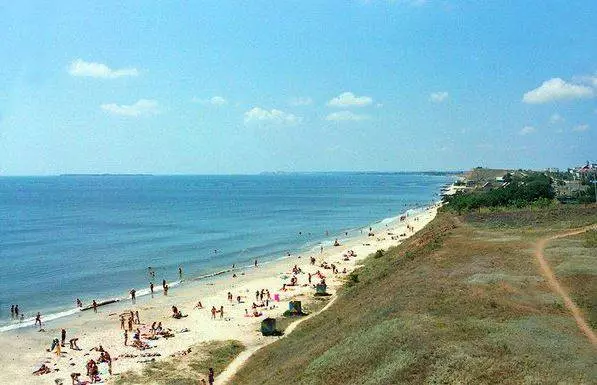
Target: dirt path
[[556, 287], [235, 365]]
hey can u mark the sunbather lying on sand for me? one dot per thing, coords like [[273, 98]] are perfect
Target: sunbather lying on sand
[[140, 345], [43, 369], [76, 380]]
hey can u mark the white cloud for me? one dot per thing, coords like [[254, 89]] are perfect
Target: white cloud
[[218, 101], [581, 128], [557, 89], [592, 80], [301, 101], [438, 97], [80, 67], [348, 99], [214, 101], [555, 118], [141, 107], [526, 130], [343, 116], [258, 114]]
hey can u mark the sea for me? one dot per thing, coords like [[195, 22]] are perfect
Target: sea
[[96, 236]]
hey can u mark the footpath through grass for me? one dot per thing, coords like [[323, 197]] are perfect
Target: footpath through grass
[[460, 302]]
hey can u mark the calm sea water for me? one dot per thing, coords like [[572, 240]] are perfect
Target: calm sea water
[[93, 237]]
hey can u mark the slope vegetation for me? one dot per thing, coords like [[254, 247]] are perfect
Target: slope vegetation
[[463, 301]]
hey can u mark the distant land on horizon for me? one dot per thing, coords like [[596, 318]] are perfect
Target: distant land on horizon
[[71, 175]]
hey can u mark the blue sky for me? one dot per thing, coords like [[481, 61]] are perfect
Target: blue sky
[[220, 87]]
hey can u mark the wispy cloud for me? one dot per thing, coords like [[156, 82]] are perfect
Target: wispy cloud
[[557, 89], [526, 130], [141, 107], [214, 101], [301, 101], [258, 114], [592, 80], [438, 97], [581, 128], [345, 116], [348, 99], [82, 68], [555, 118]]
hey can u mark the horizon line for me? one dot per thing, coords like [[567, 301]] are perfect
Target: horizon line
[[92, 174]]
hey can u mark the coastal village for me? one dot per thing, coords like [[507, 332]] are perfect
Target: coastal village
[[569, 185]]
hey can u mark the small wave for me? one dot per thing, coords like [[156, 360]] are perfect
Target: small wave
[[27, 322], [215, 274]]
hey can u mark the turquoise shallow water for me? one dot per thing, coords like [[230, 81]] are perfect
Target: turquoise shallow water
[[93, 237]]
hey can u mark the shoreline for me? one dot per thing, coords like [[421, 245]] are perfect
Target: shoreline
[[103, 328], [311, 247]]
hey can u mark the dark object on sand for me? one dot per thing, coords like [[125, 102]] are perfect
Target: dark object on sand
[[268, 327], [295, 307], [320, 289], [107, 302]]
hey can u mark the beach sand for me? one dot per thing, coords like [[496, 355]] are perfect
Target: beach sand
[[24, 350]]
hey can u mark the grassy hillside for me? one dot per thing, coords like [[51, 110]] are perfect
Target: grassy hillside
[[187, 369], [460, 302]]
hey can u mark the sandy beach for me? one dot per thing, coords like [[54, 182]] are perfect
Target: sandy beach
[[25, 349]]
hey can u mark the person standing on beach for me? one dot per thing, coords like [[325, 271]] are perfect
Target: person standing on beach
[[17, 311], [213, 312], [38, 319], [138, 321], [122, 322], [133, 295], [221, 312], [94, 304], [63, 337], [12, 311], [210, 376], [126, 337], [151, 288], [165, 289], [163, 283], [255, 262], [180, 273]]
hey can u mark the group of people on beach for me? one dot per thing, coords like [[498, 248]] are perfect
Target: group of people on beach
[[15, 313], [130, 322], [129, 318]]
